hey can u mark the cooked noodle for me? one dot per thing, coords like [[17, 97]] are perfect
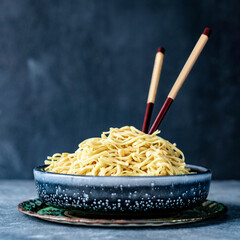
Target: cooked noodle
[[122, 151]]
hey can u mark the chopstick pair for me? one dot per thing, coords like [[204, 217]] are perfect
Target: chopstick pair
[[176, 87]]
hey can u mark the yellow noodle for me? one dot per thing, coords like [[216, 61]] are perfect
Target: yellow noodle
[[122, 151]]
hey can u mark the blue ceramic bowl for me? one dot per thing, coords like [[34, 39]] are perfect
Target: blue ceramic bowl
[[123, 194]]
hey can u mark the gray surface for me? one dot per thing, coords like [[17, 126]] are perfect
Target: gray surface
[[71, 69], [15, 225]]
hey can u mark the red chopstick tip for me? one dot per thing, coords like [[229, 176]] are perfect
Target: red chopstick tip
[[162, 50], [207, 31], [161, 115]]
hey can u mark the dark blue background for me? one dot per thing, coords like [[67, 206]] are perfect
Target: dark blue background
[[71, 69]]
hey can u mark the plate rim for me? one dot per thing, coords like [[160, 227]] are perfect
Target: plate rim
[[101, 222]]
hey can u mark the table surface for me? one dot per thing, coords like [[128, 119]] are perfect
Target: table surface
[[15, 225]]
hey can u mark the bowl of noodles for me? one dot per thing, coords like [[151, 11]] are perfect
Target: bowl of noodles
[[125, 170]]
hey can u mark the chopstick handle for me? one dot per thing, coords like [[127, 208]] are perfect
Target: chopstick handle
[[156, 75], [189, 64]]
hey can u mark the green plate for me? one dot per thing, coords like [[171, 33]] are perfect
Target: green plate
[[37, 208]]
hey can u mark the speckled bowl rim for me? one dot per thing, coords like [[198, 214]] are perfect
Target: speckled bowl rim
[[202, 173]]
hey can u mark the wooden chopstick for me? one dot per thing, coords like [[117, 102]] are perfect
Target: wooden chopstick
[[181, 78], [153, 87]]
